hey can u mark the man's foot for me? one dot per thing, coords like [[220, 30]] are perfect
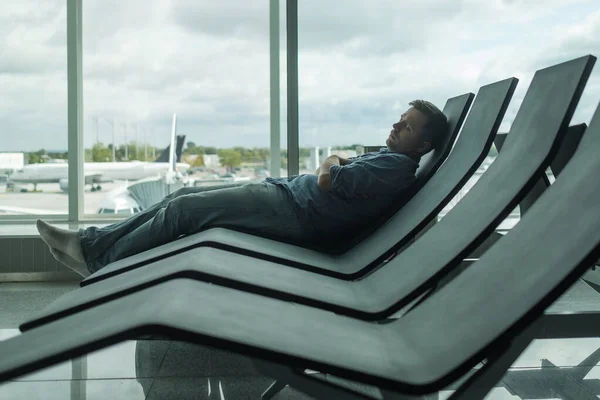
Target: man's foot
[[63, 240], [69, 262]]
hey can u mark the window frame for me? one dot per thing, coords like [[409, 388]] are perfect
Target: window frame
[[75, 103]]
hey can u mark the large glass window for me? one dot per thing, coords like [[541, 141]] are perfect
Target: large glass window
[[33, 107], [362, 62], [144, 61]]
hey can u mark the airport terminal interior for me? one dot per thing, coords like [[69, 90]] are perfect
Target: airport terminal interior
[[107, 107]]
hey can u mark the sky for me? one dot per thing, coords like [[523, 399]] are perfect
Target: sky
[[360, 63]]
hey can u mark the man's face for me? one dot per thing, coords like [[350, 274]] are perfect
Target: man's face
[[405, 137]]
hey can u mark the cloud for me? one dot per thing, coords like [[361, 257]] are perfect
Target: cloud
[[28, 12], [359, 64], [30, 38], [247, 20], [352, 24]]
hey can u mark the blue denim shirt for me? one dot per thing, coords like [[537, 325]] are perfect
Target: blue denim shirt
[[382, 176]]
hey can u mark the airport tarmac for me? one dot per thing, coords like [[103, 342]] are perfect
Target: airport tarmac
[[50, 199]]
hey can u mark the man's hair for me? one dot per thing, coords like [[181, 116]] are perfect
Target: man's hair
[[436, 126]]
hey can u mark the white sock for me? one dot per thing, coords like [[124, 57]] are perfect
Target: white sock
[[64, 240], [69, 262]]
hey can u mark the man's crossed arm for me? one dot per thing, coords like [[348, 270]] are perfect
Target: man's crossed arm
[[352, 178], [324, 179]]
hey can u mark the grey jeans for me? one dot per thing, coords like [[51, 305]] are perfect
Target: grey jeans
[[261, 208]]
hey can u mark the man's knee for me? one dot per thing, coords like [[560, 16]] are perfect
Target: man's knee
[[184, 214], [176, 210]]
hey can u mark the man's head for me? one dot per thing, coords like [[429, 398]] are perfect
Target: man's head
[[419, 130]]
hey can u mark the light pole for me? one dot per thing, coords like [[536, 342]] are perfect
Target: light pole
[[97, 122], [125, 131], [145, 145], [137, 138], [113, 124], [153, 148]]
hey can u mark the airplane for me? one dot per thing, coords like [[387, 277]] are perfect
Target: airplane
[[121, 200], [98, 172], [133, 198]]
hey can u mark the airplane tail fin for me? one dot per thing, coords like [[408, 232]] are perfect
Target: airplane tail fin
[[179, 148], [586, 365], [547, 363], [164, 155], [582, 369]]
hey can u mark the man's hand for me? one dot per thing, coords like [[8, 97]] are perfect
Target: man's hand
[[324, 179], [343, 161]]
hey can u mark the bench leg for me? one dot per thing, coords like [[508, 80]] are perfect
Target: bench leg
[[482, 381], [272, 390]]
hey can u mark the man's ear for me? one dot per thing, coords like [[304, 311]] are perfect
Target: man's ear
[[425, 148]]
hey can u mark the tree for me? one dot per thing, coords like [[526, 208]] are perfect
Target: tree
[[198, 162], [351, 147], [194, 149], [58, 156], [36, 157], [264, 154], [101, 153], [230, 158], [191, 145], [119, 153], [33, 158]]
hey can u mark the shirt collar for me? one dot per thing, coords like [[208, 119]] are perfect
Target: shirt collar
[[415, 157]]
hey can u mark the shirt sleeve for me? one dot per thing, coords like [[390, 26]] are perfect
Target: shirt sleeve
[[352, 159], [380, 175]]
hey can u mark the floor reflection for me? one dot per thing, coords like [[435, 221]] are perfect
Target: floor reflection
[[165, 369]]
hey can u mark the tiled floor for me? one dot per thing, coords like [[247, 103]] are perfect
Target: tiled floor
[[162, 369]]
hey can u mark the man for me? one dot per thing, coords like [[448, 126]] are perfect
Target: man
[[312, 208]]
